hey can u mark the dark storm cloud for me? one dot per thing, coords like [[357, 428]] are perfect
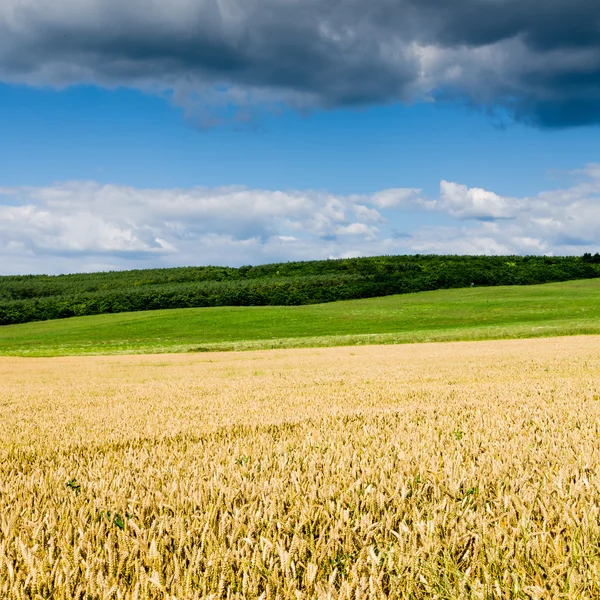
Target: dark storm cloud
[[538, 60], [547, 25]]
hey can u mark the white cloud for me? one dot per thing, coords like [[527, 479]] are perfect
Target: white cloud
[[364, 213], [560, 221], [475, 203], [361, 229], [79, 226], [397, 198], [78, 222]]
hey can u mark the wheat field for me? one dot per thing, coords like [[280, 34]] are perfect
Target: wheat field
[[459, 470]]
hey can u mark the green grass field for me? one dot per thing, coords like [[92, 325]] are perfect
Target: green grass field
[[568, 308]]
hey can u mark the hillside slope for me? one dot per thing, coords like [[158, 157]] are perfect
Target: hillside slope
[[463, 314], [41, 297]]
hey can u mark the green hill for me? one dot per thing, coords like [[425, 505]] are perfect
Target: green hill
[[459, 314], [42, 297]]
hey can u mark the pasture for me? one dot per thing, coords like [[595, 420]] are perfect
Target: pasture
[[555, 309], [443, 470]]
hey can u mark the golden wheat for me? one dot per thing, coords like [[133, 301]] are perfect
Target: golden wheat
[[465, 470]]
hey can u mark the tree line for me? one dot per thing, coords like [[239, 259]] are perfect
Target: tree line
[[41, 297]]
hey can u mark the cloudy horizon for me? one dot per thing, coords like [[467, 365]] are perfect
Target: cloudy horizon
[[86, 226]]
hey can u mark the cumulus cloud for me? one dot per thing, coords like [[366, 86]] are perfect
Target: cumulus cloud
[[79, 222], [538, 60], [85, 226], [561, 221], [475, 203], [396, 198]]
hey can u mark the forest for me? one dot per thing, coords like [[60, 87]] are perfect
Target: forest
[[27, 298]]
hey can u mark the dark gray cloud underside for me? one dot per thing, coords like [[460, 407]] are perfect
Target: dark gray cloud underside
[[543, 25], [539, 60]]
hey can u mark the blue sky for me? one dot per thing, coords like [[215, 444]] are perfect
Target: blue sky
[[114, 168]]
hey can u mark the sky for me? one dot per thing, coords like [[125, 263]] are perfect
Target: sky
[[147, 134]]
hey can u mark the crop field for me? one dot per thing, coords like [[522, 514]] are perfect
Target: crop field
[[450, 470]]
